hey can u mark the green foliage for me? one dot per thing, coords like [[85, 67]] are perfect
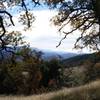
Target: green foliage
[[52, 71], [7, 83], [27, 73]]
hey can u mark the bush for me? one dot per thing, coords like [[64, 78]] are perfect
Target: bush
[[52, 71], [26, 72], [74, 76]]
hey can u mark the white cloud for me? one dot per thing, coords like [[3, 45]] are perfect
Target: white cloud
[[44, 35]]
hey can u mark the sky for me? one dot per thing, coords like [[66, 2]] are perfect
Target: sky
[[44, 35]]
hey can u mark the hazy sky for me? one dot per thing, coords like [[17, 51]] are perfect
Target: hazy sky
[[44, 35]]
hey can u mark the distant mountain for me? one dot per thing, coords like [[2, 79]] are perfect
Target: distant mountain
[[80, 59], [47, 55]]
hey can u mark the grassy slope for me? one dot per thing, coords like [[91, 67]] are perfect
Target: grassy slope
[[87, 92]]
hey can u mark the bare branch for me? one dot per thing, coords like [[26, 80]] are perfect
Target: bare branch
[[26, 12], [66, 33], [5, 12]]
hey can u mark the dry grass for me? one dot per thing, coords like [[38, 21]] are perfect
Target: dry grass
[[87, 92]]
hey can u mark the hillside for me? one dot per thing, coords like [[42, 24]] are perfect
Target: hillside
[[87, 92], [90, 91], [80, 59]]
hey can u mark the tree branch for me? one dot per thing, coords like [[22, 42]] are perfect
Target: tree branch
[[10, 16]]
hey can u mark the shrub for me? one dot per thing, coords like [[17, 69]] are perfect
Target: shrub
[[74, 76]]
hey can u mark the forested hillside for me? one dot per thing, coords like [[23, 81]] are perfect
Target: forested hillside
[[80, 59]]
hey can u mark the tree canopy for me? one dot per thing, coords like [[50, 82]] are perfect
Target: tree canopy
[[6, 21], [82, 15]]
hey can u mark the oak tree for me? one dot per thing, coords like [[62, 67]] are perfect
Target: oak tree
[[81, 15]]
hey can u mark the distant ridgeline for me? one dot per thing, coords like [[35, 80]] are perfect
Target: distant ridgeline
[[80, 59], [46, 54]]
